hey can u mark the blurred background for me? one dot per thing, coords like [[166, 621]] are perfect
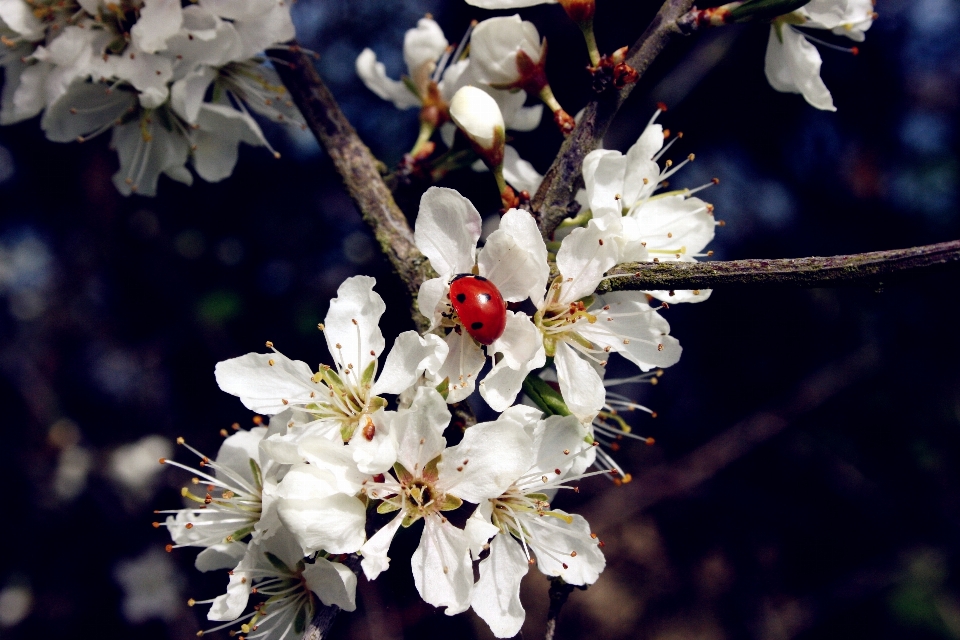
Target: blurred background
[[805, 479]]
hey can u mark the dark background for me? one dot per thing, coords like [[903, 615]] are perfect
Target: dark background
[[837, 511]]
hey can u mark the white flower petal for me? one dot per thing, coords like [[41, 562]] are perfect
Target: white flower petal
[[225, 555], [231, 604], [267, 24], [515, 258], [263, 380], [519, 173], [447, 229], [793, 66], [375, 559], [494, 45], [187, 93], [479, 529], [442, 570], [522, 347], [431, 294], [410, 356], [523, 119], [84, 109], [558, 441], [489, 459], [23, 90], [216, 143], [374, 444], [146, 150], [583, 258], [603, 172], [419, 429], [158, 21], [635, 330], [463, 364], [353, 323], [235, 455], [478, 115], [333, 582], [496, 596], [580, 385], [334, 524], [374, 76], [569, 545], [672, 225], [680, 295], [422, 47], [17, 15]]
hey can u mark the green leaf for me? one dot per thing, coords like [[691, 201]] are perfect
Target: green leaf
[[404, 476], [430, 472], [444, 387], [544, 396], [276, 562], [387, 507], [300, 622], [450, 502], [369, 373]]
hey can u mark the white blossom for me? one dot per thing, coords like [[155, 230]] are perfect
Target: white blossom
[[580, 329], [793, 63], [290, 585], [476, 113], [146, 76], [496, 45], [621, 194], [232, 498], [514, 259], [524, 527], [422, 48], [431, 478], [337, 401]]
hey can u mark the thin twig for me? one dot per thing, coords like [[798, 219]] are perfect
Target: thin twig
[[321, 623], [559, 185], [559, 592], [356, 165], [872, 268]]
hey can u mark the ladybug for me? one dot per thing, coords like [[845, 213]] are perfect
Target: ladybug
[[480, 306]]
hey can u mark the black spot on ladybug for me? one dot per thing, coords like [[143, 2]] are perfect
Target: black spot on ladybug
[[483, 297], [476, 325], [480, 278], [461, 297]]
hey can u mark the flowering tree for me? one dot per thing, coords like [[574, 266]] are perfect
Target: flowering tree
[[581, 265]]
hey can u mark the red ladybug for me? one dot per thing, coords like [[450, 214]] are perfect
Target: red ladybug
[[480, 306]]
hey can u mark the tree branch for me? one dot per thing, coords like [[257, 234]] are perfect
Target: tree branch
[[357, 166], [857, 269], [559, 185]]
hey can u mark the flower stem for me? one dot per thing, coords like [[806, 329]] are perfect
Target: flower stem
[[587, 28]]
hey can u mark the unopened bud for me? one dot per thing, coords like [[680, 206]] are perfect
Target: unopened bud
[[477, 114]]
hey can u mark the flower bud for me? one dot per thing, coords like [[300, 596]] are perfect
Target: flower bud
[[579, 10], [508, 54], [476, 113]]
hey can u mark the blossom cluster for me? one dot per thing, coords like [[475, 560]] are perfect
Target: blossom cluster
[[356, 451], [174, 84], [436, 71]]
